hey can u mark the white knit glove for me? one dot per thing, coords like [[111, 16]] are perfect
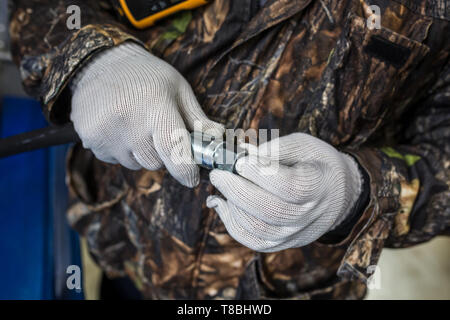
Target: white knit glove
[[132, 108], [289, 198]]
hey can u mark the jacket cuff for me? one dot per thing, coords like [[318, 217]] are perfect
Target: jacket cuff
[[364, 242], [64, 62], [339, 233]]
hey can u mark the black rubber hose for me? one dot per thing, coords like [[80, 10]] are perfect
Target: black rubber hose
[[38, 139]]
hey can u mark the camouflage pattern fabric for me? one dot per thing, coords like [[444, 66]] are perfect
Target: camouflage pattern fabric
[[310, 66]]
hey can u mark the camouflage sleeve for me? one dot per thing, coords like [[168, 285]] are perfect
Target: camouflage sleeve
[[409, 182], [49, 46]]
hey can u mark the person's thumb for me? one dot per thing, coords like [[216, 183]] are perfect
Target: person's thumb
[[193, 115]]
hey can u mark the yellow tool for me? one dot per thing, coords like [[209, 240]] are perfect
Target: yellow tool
[[144, 13]]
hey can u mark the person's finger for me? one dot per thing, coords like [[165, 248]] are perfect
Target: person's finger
[[105, 158], [145, 154], [127, 160], [236, 231], [261, 229], [295, 185], [255, 234], [294, 148], [301, 238], [193, 114], [173, 143], [261, 203]]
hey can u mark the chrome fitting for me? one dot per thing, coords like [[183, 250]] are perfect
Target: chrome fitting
[[212, 153]]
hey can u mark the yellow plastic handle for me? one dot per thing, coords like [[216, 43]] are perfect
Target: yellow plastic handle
[[150, 20]]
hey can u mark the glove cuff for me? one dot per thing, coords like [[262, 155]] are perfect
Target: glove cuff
[[105, 60], [354, 189], [342, 230]]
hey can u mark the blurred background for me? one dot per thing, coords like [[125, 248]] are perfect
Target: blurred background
[[37, 246], [36, 243]]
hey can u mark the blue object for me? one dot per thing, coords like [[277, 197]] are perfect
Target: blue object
[[33, 201]]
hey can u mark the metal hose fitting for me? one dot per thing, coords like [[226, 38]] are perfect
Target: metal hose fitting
[[212, 153]]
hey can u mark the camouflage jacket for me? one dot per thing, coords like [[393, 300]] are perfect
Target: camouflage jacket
[[314, 66]]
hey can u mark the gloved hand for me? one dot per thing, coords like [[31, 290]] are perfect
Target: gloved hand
[[132, 108], [289, 198]]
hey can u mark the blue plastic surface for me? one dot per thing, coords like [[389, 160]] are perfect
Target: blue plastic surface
[[31, 191]]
